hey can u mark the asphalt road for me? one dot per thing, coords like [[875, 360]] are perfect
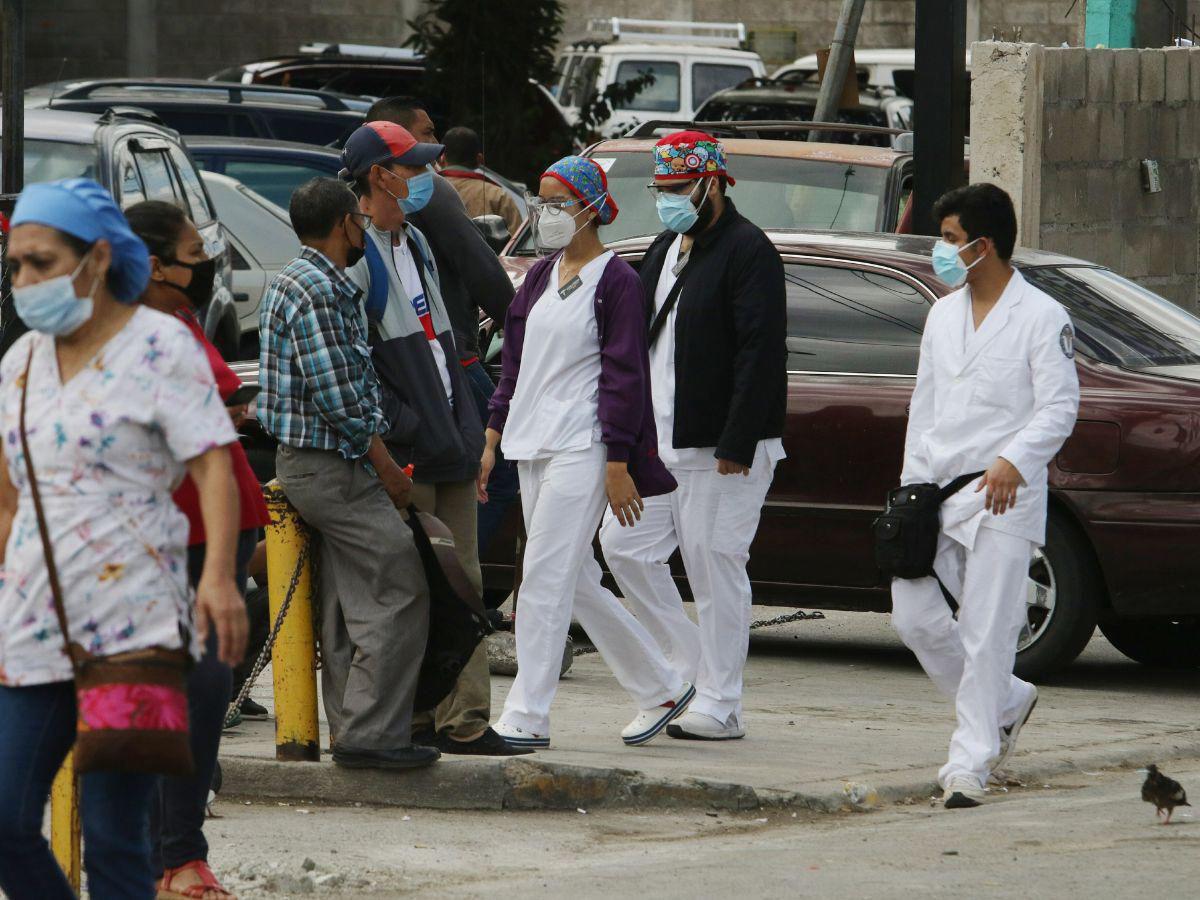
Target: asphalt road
[[1081, 836]]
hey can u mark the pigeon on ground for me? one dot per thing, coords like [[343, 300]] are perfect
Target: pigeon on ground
[[1165, 793]]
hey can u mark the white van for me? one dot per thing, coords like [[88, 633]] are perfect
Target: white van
[[876, 68], [690, 61]]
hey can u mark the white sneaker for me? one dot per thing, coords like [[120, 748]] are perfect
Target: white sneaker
[[1008, 736], [649, 722], [519, 737], [697, 726], [963, 792]]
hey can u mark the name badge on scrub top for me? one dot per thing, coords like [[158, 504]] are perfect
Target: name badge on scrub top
[[678, 267], [570, 287]]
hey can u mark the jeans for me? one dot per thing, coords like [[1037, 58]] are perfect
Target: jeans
[[503, 486], [38, 728], [177, 811]]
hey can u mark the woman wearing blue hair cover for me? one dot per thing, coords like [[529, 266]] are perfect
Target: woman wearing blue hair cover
[[120, 405]]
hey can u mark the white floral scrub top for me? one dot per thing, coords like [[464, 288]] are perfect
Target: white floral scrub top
[[108, 447]]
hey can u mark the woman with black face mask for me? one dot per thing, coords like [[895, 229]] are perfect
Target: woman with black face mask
[[181, 283]]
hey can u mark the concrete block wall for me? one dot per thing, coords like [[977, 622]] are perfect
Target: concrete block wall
[[1065, 131]]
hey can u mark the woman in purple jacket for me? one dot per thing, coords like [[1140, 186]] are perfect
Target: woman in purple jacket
[[573, 406]]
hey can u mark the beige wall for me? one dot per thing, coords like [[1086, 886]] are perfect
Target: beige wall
[[1065, 131]]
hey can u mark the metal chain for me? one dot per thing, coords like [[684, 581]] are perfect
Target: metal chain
[[797, 616], [261, 662]]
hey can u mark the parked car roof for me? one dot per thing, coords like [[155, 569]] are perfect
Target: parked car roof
[[190, 89]]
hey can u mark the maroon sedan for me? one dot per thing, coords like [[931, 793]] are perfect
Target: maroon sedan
[[1124, 522]]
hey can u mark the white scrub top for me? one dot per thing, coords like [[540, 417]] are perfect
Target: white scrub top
[[554, 408], [662, 385]]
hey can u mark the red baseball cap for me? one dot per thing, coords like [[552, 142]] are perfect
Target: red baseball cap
[[379, 143]]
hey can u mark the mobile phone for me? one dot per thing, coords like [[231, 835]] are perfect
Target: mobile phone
[[243, 395]]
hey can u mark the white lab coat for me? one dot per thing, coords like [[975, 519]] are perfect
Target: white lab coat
[[1007, 390]]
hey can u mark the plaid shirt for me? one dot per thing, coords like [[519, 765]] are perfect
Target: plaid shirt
[[319, 390]]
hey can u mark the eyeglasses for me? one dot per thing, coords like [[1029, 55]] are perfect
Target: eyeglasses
[[680, 188], [362, 220], [536, 203]]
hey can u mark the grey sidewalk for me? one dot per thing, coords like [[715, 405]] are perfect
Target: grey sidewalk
[[838, 715]]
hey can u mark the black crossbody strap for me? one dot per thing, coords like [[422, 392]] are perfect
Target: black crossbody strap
[[956, 485], [664, 312]]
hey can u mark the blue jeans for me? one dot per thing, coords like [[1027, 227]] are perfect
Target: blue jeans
[[37, 725], [503, 487], [177, 813]]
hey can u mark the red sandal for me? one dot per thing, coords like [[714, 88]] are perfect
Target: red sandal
[[208, 882]]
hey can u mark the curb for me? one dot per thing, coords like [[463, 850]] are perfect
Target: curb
[[524, 784]]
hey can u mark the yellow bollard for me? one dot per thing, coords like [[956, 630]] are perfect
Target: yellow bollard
[[294, 658], [64, 820]]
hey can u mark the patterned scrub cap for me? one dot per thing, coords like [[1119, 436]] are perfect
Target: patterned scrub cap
[[690, 154], [585, 179]]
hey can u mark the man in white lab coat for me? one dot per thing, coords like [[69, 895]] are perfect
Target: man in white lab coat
[[996, 391]]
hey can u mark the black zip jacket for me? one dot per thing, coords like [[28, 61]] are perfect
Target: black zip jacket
[[730, 338]]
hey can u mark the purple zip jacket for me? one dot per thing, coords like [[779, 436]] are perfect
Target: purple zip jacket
[[625, 407]]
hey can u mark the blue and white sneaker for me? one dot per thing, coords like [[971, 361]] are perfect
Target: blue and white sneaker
[[649, 722], [519, 737]]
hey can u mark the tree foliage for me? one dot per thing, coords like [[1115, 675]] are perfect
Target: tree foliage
[[480, 59]]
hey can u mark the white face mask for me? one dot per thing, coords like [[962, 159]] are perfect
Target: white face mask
[[556, 227], [52, 307]]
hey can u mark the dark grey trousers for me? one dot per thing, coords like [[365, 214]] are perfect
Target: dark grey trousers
[[374, 615]]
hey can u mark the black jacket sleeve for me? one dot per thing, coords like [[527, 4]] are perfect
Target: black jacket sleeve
[[758, 309]]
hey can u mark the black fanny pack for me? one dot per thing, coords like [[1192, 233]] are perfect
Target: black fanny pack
[[906, 535]]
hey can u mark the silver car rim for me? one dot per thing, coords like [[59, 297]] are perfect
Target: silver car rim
[[1040, 597]]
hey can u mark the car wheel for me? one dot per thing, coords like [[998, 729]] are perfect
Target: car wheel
[[1169, 643], [1062, 602]]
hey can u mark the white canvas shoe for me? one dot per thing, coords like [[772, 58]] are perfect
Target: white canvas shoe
[[1008, 736], [649, 722], [697, 726], [519, 737], [963, 792]]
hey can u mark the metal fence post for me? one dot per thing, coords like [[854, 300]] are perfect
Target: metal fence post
[[64, 821], [294, 657]]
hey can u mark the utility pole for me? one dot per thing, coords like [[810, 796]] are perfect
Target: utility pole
[[940, 106], [12, 145], [840, 53]]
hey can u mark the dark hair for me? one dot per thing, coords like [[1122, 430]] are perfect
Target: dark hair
[[983, 210], [159, 224], [462, 146], [318, 205], [401, 110]]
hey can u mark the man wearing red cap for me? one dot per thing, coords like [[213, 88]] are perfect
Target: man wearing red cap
[[718, 360]]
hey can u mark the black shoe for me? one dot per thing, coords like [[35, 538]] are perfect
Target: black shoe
[[487, 744], [426, 737], [401, 758], [252, 710]]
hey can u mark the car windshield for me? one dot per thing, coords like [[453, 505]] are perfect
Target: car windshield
[[1119, 322], [55, 160], [772, 192]]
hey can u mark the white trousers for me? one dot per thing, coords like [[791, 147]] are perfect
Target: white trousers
[[971, 659], [712, 519], [562, 499]]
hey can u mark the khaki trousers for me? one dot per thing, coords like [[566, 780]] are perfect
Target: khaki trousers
[[466, 712]]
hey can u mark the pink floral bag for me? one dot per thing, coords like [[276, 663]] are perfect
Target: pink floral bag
[[132, 712]]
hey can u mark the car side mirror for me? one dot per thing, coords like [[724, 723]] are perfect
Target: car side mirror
[[494, 231]]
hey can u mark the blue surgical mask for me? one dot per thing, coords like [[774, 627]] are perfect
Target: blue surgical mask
[[949, 265], [51, 306], [677, 211], [420, 190]]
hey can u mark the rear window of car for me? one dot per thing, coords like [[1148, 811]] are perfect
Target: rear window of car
[[1119, 322], [733, 109], [772, 192], [659, 95], [275, 181], [218, 121], [852, 320], [55, 160]]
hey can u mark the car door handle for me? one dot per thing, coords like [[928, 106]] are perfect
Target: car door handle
[[241, 296]]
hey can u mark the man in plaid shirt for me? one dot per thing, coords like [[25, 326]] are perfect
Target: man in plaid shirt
[[322, 401]]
